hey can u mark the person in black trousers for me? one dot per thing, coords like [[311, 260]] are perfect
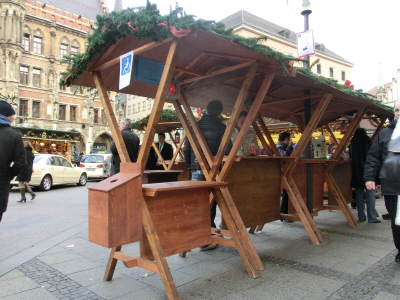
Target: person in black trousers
[[24, 177]]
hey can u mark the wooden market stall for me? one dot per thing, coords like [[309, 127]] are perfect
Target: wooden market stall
[[208, 66]]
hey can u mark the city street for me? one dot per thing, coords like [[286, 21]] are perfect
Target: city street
[[51, 213]]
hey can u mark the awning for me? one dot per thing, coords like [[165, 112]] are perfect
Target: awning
[[48, 134]]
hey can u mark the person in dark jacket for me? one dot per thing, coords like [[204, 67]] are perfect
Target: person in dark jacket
[[24, 177], [285, 148], [165, 149], [375, 157], [359, 147], [132, 142], [213, 130], [11, 152]]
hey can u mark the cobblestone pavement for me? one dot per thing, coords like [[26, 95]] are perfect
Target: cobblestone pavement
[[351, 263]]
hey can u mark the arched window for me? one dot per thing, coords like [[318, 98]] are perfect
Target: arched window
[[64, 45], [75, 47], [27, 39], [38, 41]]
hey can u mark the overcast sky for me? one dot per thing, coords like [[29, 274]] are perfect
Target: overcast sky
[[364, 32]]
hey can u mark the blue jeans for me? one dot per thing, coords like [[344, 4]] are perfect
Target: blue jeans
[[370, 200]]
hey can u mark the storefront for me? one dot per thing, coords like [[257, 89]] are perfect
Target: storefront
[[50, 141]]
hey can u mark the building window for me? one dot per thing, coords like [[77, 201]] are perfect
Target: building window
[[133, 108], [144, 105], [169, 106], [96, 116], [27, 42], [331, 72], [37, 45], [35, 109], [61, 115], [23, 75], [36, 77], [63, 50], [318, 68], [72, 113], [62, 87], [129, 109], [149, 105], [343, 75], [138, 107], [23, 107], [74, 50], [103, 117]]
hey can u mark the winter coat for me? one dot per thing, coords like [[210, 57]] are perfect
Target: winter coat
[[213, 130], [132, 142], [26, 173], [167, 152], [376, 155], [106, 167], [358, 154], [244, 148], [284, 149], [11, 151]]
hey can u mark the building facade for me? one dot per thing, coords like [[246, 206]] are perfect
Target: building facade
[[34, 38], [388, 93]]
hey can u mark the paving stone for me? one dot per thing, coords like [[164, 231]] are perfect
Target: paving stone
[[16, 285], [77, 265], [34, 294]]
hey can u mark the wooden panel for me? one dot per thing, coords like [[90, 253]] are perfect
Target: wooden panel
[[160, 176], [115, 217], [342, 175], [181, 219], [186, 174], [300, 177], [254, 184]]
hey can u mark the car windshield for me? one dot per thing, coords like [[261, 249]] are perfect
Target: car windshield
[[92, 159]]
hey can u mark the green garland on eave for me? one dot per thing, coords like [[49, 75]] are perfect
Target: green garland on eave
[[344, 88], [166, 115], [146, 22]]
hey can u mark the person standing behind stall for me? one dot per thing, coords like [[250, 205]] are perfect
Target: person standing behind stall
[[213, 130], [165, 149], [11, 152], [24, 177], [132, 142], [285, 148], [250, 139], [359, 147], [375, 157]]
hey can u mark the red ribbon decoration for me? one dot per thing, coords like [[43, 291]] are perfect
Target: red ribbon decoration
[[179, 33], [130, 25], [105, 27], [89, 49], [348, 83], [165, 24], [74, 68], [69, 75]]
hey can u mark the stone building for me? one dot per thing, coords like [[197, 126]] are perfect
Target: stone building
[[34, 38], [388, 93]]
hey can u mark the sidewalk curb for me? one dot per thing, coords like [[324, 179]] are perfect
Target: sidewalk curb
[[11, 262]]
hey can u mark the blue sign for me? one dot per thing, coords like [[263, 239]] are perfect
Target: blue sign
[[148, 70]]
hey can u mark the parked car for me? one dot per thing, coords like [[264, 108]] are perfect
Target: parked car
[[93, 164], [50, 169]]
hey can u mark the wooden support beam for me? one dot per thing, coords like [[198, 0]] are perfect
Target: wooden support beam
[[160, 157], [299, 122], [219, 72], [111, 264], [262, 139], [231, 126], [102, 58], [378, 129], [246, 125], [191, 72], [230, 57], [291, 99], [159, 100], [136, 51], [335, 140], [190, 65], [178, 149], [269, 137], [111, 118]]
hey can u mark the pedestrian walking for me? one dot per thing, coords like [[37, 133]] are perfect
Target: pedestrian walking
[[12, 153], [375, 157], [24, 177], [359, 147]]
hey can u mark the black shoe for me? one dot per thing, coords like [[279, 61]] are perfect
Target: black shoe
[[376, 221], [386, 217], [397, 258], [362, 220]]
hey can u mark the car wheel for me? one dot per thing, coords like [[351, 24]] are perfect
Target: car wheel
[[46, 183], [82, 179]]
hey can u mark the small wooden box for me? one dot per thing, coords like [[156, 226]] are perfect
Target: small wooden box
[[115, 208]]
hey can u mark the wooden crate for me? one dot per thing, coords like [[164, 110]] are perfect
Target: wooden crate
[[115, 208]]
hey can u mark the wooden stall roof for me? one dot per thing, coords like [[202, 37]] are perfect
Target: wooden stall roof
[[164, 126], [203, 54]]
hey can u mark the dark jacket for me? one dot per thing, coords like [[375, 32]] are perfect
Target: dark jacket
[[132, 142], [358, 154], [26, 173], [284, 149], [376, 155], [11, 151], [166, 152], [213, 130]]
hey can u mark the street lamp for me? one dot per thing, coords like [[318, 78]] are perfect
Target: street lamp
[[306, 11]]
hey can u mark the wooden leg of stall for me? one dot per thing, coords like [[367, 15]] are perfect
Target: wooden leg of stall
[[112, 263]]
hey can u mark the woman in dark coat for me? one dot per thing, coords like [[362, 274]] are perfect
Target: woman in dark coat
[[25, 176], [359, 147]]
